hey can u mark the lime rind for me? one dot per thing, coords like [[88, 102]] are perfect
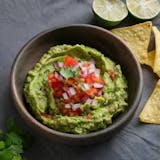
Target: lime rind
[[143, 9], [109, 12]]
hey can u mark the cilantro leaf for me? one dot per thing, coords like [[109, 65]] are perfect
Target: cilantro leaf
[[17, 157], [67, 72], [10, 152], [2, 145], [13, 142], [13, 138]]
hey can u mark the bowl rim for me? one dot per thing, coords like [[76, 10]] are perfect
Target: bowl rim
[[32, 121]]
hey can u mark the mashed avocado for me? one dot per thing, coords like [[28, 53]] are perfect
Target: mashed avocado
[[75, 89]]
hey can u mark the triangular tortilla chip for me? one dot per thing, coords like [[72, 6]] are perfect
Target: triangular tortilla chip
[[137, 38], [151, 111], [150, 59], [156, 67]]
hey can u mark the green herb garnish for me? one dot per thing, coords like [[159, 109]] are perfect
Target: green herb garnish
[[68, 73], [13, 142]]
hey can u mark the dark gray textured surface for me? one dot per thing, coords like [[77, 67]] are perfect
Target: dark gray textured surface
[[20, 20]]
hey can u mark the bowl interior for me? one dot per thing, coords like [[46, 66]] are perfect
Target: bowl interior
[[88, 35]]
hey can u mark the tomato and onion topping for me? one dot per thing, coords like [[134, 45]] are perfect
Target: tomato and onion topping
[[75, 82]]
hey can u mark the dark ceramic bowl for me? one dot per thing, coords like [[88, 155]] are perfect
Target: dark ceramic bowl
[[89, 35]]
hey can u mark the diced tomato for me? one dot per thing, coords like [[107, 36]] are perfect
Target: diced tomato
[[88, 116], [70, 112], [75, 113], [112, 75], [92, 79], [84, 98], [85, 65], [70, 81], [64, 111], [92, 92], [70, 61], [50, 76], [54, 83], [58, 93], [47, 115]]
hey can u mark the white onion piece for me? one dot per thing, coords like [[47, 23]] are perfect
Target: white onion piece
[[89, 101], [76, 106], [65, 96], [72, 91], [86, 86], [91, 70], [55, 64], [56, 75], [60, 78], [100, 92], [92, 65], [67, 106], [97, 73], [83, 68], [97, 85], [94, 102], [84, 73], [60, 64]]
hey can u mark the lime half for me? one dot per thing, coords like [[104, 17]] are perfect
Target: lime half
[[109, 12], [143, 9]]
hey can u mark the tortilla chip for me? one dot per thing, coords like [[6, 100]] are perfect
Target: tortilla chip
[[151, 111], [150, 59], [156, 67], [137, 37]]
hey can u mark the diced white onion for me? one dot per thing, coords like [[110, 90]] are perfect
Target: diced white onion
[[72, 91], [60, 64], [97, 85], [91, 70], [67, 106], [94, 102], [65, 96], [100, 92], [89, 101], [92, 66], [55, 64], [86, 86], [97, 73], [76, 106], [56, 75], [84, 73]]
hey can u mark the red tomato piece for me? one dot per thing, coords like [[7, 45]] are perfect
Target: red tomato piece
[[70, 61], [50, 76], [92, 92], [47, 115], [58, 93], [88, 116], [75, 113], [70, 81], [54, 83], [112, 75]]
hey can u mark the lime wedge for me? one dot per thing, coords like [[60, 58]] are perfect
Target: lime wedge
[[109, 12], [143, 9]]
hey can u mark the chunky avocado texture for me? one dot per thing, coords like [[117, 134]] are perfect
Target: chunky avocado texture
[[39, 95]]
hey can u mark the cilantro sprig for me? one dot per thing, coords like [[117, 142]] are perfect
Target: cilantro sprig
[[67, 72], [13, 142]]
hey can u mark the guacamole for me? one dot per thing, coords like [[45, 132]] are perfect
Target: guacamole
[[75, 89]]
